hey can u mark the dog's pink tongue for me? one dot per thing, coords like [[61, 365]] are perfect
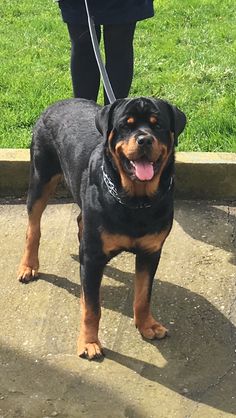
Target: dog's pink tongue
[[144, 170]]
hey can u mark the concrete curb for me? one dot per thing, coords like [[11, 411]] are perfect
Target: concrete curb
[[206, 175], [199, 175]]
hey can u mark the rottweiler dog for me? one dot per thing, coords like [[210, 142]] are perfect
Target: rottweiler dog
[[118, 163]]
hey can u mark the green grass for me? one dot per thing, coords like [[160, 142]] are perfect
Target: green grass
[[186, 54]]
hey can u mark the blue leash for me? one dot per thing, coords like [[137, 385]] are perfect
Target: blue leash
[[101, 66]]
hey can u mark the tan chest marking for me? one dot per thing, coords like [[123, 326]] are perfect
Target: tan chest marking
[[150, 243]]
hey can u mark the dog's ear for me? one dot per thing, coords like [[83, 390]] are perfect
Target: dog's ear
[[178, 122], [103, 118]]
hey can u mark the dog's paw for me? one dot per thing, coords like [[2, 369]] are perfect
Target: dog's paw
[[90, 351], [27, 274], [152, 330]]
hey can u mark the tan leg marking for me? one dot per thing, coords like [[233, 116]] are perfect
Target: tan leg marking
[[148, 327], [29, 264], [89, 345]]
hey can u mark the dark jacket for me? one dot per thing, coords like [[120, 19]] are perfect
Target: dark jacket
[[106, 11]]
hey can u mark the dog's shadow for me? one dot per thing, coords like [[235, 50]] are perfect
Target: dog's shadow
[[200, 355]]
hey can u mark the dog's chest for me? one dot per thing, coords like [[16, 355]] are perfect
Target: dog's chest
[[148, 243]]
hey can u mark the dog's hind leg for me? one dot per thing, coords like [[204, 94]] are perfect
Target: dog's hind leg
[[44, 178]]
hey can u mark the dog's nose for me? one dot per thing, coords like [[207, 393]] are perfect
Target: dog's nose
[[144, 140]]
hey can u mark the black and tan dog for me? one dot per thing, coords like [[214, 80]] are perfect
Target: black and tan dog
[[118, 162]]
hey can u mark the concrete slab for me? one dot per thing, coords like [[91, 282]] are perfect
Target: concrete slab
[[191, 374]]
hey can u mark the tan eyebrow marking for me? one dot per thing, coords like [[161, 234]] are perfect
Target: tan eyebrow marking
[[153, 119], [130, 120]]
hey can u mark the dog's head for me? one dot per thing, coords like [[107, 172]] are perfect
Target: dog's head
[[140, 136]]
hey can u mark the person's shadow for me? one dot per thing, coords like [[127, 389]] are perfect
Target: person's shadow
[[209, 223], [200, 355]]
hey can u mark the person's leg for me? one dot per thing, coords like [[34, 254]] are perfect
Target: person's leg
[[118, 42], [84, 70]]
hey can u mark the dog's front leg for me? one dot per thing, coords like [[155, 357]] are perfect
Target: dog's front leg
[[146, 265], [91, 270]]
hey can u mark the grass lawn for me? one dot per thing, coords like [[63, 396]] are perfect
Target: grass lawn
[[185, 54]]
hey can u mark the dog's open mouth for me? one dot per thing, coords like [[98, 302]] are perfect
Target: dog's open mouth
[[141, 169]]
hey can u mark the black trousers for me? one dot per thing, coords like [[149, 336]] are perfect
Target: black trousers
[[118, 46]]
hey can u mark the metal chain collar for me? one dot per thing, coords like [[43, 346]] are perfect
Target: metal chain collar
[[113, 191]]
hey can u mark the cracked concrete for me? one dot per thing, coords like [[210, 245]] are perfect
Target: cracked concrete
[[192, 374]]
